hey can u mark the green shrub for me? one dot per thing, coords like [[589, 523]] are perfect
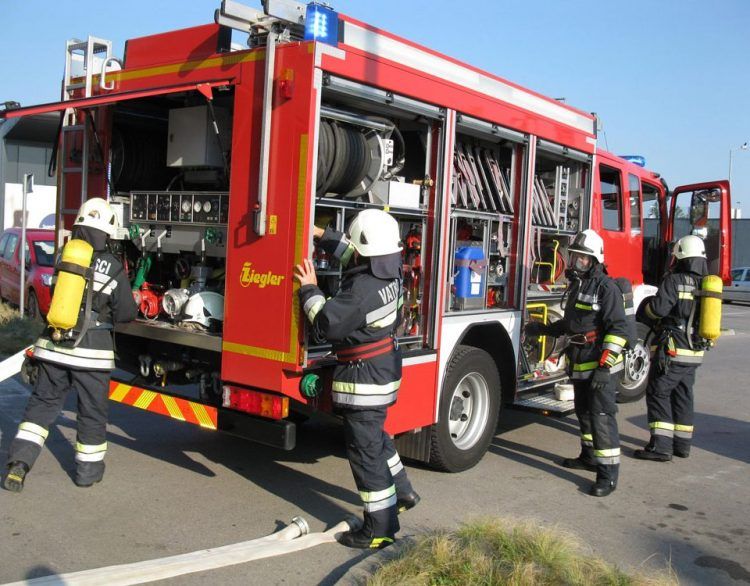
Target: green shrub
[[494, 552]]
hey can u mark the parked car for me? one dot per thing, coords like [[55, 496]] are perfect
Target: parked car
[[739, 290], [40, 257]]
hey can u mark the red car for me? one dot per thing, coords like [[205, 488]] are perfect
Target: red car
[[40, 257]]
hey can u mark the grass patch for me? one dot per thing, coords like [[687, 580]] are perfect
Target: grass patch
[[494, 552], [16, 332]]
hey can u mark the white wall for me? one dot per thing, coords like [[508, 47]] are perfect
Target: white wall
[[39, 204]]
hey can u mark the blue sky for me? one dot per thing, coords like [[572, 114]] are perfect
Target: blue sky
[[670, 79]]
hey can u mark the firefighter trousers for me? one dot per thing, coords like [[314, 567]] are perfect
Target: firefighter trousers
[[377, 469], [597, 417], [46, 401], [669, 401]]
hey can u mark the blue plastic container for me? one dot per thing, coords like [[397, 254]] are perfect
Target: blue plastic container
[[470, 272]]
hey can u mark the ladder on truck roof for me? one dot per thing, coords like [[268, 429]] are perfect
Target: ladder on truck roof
[[83, 60]]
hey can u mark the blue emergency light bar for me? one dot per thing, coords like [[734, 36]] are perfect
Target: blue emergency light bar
[[321, 24], [635, 159]]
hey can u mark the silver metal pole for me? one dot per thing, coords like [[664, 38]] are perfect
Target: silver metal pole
[[729, 179], [28, 187], [265, 131]]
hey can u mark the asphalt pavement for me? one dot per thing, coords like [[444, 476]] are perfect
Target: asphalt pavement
[[171, 489]]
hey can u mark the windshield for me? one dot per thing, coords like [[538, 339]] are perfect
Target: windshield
[[44, 251]]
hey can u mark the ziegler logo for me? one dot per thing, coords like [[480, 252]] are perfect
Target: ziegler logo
[[250, 276]]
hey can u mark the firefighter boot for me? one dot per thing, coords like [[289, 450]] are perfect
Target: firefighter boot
[[89, 473], [362, 539], [15, 476], [368, 536], [407, 501], [681, 448], [582, 462], [649, 453], [606, 480]]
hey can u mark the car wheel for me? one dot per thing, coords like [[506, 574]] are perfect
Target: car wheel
[[637, 364], [468, 412], [32, 308]]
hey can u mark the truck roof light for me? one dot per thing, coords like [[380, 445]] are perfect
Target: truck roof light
[[321, 24], [635, 159]]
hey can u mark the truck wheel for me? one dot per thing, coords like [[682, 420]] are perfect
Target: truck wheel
[[468, 412], [637, 363]]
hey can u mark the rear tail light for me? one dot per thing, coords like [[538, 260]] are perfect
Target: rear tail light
[[256, 402]]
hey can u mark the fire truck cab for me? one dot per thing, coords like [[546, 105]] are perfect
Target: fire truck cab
[[221, 160]]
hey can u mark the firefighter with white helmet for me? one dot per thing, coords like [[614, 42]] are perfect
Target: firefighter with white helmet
[[91, 293], [669, 395], [360, 321], [597, 329]]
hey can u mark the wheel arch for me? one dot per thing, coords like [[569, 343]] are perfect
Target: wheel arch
[[493, 338]]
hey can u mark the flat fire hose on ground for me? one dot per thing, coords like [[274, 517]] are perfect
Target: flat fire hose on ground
[[294, 537], [11, 366]]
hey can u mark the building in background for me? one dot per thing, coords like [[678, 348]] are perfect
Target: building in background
[[26, 147]]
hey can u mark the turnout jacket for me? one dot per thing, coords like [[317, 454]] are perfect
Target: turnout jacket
[[595, 320], [364, 310], [112, 302], [673, 305]]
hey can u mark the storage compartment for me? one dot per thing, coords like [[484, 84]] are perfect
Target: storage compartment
[[484, 200], [560, 181], [169, 184], [377, 154]]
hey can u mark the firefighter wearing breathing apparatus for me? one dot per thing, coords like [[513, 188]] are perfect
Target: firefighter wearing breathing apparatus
[[91, 293], [360, 321], [595, 323], [679, 343]]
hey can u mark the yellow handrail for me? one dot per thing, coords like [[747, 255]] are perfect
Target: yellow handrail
[[543, 315], [552, 265]]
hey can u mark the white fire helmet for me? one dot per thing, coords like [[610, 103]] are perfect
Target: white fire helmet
[[203, 308], [689, 247], [588, 242], [97, 213], [374, 233]]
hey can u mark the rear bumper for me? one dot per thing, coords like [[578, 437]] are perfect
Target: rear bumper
[[276, 433]]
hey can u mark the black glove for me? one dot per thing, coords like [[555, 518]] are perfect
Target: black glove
[[600, 379], [535, 328]]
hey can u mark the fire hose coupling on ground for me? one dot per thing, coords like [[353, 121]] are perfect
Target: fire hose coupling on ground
[[294, 537]]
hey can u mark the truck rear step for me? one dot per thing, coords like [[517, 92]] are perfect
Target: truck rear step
[[544, 403]]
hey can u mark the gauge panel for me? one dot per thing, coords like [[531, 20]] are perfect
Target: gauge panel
[[180, 207]]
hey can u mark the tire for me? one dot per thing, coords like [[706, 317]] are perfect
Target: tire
[[633, 385], [32, 308], [468, 411]]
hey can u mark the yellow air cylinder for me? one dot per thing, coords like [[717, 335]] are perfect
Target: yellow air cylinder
[[710, 318], [70, 287]]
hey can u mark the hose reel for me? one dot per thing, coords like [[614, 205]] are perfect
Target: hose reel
[[355, 151]]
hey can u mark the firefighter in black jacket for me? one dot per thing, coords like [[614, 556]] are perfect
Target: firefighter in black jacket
[[595, 322], [85, 367], [360, 321], [669, 396]]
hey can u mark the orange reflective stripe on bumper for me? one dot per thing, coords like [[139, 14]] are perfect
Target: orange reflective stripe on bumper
[[166, 405]]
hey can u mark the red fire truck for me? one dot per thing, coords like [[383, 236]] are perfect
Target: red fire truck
[[220, 160]]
